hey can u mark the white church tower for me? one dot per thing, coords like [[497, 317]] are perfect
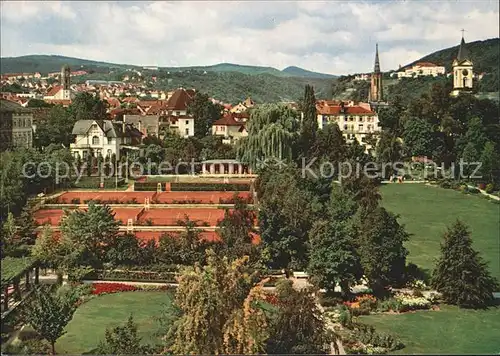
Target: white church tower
[[462, 70]]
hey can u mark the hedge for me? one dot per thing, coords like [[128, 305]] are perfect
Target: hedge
[[133, 276], [95, 183], [221, 187], [148, 186]]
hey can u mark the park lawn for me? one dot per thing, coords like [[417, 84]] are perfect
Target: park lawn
[[426, 212], [91, 319], [448, 331]]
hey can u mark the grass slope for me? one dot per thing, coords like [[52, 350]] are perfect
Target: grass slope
[[91, 319], [427, 211], [448, 331]]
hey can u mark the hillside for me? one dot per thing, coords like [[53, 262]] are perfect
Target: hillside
[[53, 63], [234, 86], [299, 72], [484, 54]]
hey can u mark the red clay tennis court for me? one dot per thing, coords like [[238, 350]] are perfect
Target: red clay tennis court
[[169, 217], [48, 216], [122, 197], [124, 214]]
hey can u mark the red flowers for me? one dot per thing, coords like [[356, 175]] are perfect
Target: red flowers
[[107, 288]]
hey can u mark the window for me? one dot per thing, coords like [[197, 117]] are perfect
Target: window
[[360, 118], [177, 113], [95, 140], [84, 154], [360, 127], [93, 127], [345, 127], [187, 122], [187, 132]]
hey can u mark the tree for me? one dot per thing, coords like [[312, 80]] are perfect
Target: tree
[[470, 156], [461, 275], [330, 144], [333, 259], [380, 247], [211, 298], [121, 340], [418, 137], [204, 112], [125, 251], [309, 125], [285, 217], [298, 327], [236, 230], [388, 149], [48, 314], [56, 128], [85, 106], [488, 162], [272, 134], [91, 233], [475, 137]]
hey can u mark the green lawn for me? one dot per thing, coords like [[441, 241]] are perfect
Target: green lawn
[[447, 331], [427, 211], [91, 319]]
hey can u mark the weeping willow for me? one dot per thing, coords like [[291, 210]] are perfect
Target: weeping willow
[[272, 132]]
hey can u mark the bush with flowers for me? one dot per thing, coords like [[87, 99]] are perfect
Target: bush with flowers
[[362, 305], [411, 302], [109, 288]]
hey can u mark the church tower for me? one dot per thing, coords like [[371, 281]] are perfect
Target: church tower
[[65, 82], [376, 94], [462, 70]]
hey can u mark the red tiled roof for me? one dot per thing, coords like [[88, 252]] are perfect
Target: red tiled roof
[[54, 90], [349, 110], [130, 99], [227, 120], [179, 100], [425, 64]]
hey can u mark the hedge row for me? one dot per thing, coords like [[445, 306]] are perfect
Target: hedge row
[[148, 186], [220, 187], [95, 183]]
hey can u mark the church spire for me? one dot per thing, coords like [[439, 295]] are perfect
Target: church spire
[[377, 62], [463, 54]]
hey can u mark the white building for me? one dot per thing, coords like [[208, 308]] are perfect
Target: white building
[[355, 121], [422, 69], [106, 137], [177, 106]]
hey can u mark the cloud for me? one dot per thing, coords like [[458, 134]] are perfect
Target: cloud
[[332, 36]]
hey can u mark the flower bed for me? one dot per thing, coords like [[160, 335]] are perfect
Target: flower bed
[[167, 276], [109, 288]]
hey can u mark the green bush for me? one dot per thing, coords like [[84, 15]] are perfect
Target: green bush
[[221, 187], [147, 186], [490, 188]]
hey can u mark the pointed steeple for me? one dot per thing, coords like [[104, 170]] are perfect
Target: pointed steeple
[[377, 62], [463, 53]]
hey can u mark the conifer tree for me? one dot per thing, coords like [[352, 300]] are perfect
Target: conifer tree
[[309, 126], [460, 274]]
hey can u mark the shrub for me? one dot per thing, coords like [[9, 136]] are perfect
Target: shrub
[[148, 222], [411, 302], [147, 186], [490, 188], [390, 304], [75, 201]]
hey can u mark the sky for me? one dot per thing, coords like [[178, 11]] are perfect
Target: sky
[[335, 37]]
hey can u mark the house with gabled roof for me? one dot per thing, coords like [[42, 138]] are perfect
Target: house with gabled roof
[[104, 137], [232, 126]]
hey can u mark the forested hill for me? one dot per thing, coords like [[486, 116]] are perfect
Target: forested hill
[[485, 55], [53, 63]]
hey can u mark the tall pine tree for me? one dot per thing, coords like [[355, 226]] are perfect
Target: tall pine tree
[[460, 274], [309, 126]]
